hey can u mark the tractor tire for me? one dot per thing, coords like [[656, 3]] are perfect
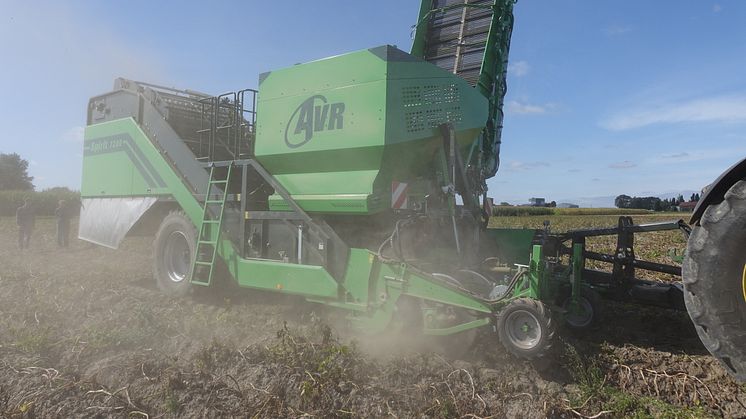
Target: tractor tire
[[173, 254], [590, 302], [714, 280], [525, 328]]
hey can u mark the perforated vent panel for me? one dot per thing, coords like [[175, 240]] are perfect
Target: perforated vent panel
[[430, 105]]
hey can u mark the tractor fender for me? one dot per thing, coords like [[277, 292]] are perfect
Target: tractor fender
[[714, 193]]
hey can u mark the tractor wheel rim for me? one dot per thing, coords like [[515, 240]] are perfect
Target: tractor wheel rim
[[524, 330], [581, 315], [743, 283], [177, 256]]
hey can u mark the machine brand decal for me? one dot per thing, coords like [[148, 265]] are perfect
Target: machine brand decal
[[315, 114], [124, 143], [399, 195]]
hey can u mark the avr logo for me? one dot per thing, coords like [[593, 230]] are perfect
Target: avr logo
[[315, 114]]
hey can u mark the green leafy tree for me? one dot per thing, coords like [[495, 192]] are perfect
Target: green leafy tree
[[14, 173], [623, 201]]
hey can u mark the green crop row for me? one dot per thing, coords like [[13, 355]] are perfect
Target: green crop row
[[511, 211], [43, 202]]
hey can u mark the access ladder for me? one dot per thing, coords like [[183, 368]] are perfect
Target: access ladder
[[210, 228]]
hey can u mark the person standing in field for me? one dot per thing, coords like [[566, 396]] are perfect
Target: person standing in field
[[25, 221], [63, 224]]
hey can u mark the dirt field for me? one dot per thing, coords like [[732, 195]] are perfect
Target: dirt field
[[84, 333]]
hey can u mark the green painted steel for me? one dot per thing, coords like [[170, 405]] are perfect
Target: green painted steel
[[336, 132], [369, 290], [117, 161], [458, 328], [513, 244]]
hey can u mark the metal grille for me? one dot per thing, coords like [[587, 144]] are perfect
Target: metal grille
[[430, 106], [457, 36]]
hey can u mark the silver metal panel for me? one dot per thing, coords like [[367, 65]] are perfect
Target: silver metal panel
[[105, 221]]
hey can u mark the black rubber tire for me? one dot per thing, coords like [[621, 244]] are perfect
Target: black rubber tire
[[173, 254], [589, 299], [713, 280], [534, 311]]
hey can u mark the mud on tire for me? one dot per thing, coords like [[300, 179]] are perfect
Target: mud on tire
[[526, 328], [713, 280], [173, 254]]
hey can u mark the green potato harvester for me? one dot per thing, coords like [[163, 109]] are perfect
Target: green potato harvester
[[358, 182]]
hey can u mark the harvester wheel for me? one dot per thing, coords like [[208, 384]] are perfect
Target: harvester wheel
[[714, 281], [583, 317], [173, 251], [525, 328]]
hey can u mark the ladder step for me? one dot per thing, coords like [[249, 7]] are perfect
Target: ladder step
[[204, 277]]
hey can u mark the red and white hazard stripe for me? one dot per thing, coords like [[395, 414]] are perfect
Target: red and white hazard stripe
[[399, 195]]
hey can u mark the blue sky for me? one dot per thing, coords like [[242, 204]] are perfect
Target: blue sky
[[636, 97]]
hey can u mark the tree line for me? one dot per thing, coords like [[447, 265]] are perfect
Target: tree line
[[652, 203], [16, 185]]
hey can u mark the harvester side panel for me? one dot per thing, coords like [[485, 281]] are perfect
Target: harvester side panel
[[337, 132], [292, 278]]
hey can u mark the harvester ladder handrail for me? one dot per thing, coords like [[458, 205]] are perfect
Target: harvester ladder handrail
[[210, 228]]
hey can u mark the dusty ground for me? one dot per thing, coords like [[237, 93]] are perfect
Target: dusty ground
[[84, 333]]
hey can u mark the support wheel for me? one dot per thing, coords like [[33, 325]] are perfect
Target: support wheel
[[525, 328], [173, 253], [715, 280], [586, 312]]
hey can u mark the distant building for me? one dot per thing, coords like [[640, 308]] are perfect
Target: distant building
[[537, 202], [687, 206], [567, 205]]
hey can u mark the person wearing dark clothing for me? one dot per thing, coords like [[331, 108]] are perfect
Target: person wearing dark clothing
[[25, 221], [62, 213]]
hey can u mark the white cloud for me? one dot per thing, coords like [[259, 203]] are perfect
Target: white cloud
[[519, 68], [73, 135], [520, 108], [714, 109], [697, 155], [518, 166], [623, 165], [717, 8], [681, 155], [617, 29]]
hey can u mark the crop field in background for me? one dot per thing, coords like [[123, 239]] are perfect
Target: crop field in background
[[654, 246], [85, 333]]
